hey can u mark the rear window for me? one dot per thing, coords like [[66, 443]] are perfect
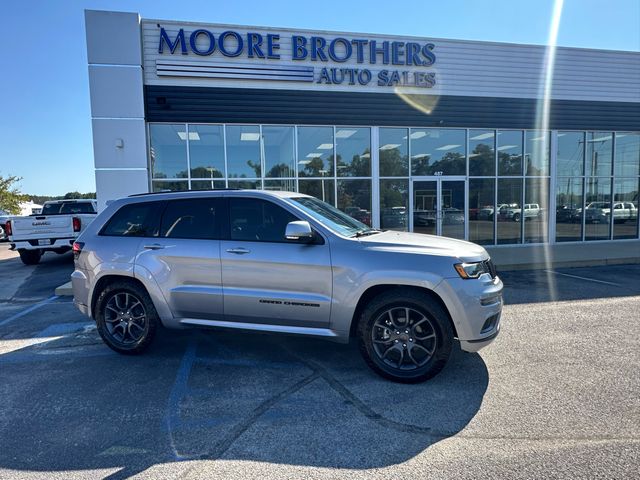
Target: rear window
[[134, 220], [65, 208], [197, 218]]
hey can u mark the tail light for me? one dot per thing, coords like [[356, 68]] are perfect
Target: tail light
[[77, 224], [7, 228], [77, 248]]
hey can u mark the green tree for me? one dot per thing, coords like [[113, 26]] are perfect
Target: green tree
[[10, 195]]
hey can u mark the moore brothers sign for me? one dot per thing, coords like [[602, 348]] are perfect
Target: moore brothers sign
[[408, 61]]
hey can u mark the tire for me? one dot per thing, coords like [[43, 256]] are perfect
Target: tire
[[381, 346], [516, 217], [117, 313], [30, 257]]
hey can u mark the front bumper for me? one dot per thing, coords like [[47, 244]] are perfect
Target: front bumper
[[475, 306]]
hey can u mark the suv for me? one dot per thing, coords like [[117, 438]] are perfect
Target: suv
[[283, 262]]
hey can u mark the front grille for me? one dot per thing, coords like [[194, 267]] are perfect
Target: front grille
[[491, 268]]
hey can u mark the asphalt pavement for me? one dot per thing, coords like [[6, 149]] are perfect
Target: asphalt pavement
[[557, 395]]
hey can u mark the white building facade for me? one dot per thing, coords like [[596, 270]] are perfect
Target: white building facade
[[447, 137]]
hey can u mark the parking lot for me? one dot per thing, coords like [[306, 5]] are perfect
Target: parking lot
[[557, 395]]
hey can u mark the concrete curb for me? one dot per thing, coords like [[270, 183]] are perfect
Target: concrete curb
[[65, 290]]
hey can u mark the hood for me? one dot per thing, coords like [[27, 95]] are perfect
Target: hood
[[425, 244]]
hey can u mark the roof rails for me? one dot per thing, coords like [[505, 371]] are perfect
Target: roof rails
[[164, 192]]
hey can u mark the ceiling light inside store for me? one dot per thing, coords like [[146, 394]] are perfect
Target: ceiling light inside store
[[344, 133], [314, 155], [304, 162], [249, 137], [417, 135], [506, 147], [420, 155], [192, 135], [601, 139], [482, 136], [365, 155], [389, 146], [325, 146], [448, 147]]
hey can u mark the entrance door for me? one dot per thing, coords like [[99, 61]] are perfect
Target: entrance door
[[438, 206]]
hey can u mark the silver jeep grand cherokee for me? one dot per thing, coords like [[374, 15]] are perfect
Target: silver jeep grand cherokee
[[283, 262]]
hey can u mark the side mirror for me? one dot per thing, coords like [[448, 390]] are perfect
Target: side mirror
[[299, 231]]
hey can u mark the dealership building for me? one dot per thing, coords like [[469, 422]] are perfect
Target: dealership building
[[533, 152]]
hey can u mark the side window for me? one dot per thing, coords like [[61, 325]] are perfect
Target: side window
[[196, 218], [255, 220], [134, 220]]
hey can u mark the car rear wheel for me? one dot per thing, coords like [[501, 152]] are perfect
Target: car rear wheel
[[405, 336], [30, 257], [126, 318]]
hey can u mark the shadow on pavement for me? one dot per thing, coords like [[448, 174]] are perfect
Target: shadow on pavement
[[564, 284], [209, 395]]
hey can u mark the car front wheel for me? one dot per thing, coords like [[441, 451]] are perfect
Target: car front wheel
[[126, 318], [405, 336]]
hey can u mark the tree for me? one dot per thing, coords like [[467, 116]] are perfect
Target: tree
[[10, 196]]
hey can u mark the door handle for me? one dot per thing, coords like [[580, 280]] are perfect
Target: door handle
[[153, 246], [238, 250]]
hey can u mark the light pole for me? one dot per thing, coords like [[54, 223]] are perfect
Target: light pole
[[322, 172]]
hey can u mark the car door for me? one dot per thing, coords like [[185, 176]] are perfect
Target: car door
[[184, 259], [268, 279]]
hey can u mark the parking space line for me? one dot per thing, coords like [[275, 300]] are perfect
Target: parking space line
[[28, 310], [584, 278]]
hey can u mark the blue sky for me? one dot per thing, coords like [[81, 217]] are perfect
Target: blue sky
[[45, 134]]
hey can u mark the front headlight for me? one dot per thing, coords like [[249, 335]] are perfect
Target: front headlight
[[471, 270]]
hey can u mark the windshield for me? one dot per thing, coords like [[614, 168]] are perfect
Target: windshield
[[331, 217], [63, 208]]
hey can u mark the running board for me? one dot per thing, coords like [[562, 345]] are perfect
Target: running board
[[262, 327]]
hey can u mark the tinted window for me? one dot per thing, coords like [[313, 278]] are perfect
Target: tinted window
[[81, 207], [63, 208], [258, 220], [134, 220], [197, 218]]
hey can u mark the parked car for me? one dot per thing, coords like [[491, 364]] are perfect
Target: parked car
[[568, 214], [424, 218], [531, 211], [283, 262], [54, 230]]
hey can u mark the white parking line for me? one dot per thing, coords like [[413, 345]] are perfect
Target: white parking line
[[28, 310], [584, 278]]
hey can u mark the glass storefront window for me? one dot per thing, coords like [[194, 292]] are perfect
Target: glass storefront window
[[481, 210], [281, 185], [625, 208], [569, 209], [570, 154], [394, 152], [168, 186], [482, 153], [354, 198], [509, 147], [279, 158], [206, 151], [598, 208], [394, 205], [315, 151], [353, 152], [207, 184], [438, 150], [321, 189], [168, 150], [245, 184], [627, 162], [509, 211], [599, 153], [535, 212], [243, 151], [536, 152]]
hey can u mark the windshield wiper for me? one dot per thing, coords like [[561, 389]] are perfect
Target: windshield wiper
[[364, 232]]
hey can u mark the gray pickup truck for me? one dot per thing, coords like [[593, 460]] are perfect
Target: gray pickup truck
[[283, 262]]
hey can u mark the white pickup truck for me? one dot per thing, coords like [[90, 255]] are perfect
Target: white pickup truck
[[54, 230]]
